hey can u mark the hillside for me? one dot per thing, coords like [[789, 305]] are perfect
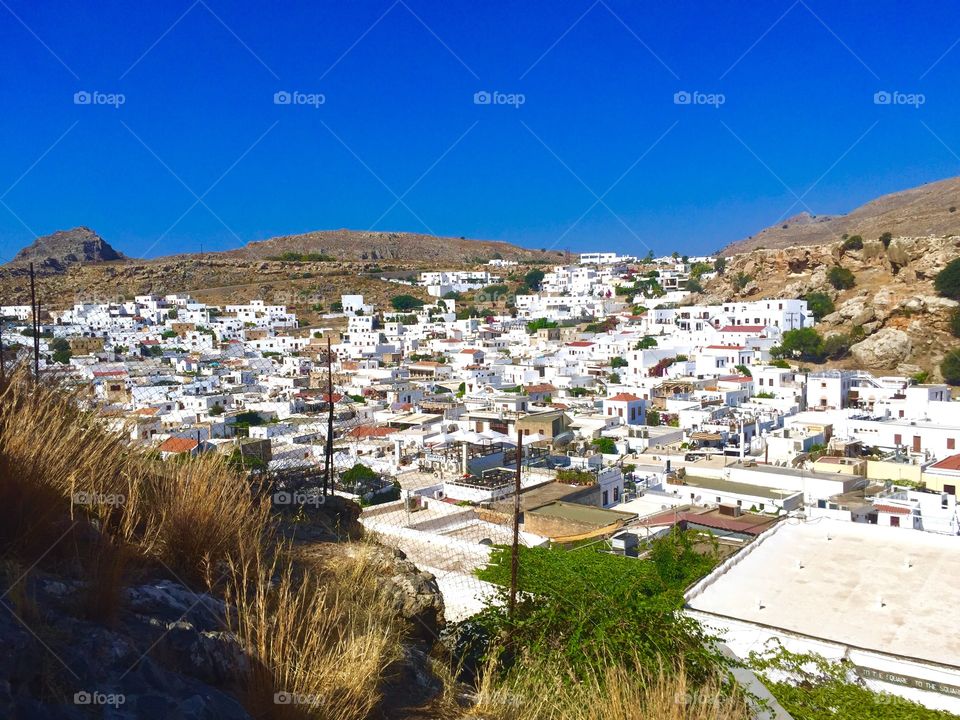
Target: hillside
[[368, 245], [59, 250], [905, 325], [927, 210]]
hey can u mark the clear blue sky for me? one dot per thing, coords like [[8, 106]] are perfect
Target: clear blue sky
[[398, 80]]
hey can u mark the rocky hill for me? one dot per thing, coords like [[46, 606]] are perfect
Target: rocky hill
[[901, 325], [359, 245], [927, 210], [59, 250]]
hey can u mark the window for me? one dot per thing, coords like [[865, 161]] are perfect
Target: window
[[894, 521], [950, 489], [951, 444], [898, 439]]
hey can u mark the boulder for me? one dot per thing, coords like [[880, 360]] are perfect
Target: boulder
[[885, 349]]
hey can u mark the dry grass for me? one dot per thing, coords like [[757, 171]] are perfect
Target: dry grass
[[555, 693], [321, 637], [63, 470]]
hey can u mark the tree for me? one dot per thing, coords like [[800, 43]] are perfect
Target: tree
[[533, 279], [357, 474], [854, 242], [804, 343], [820, 305], [605, 445], [653, 418], [744, 370], [841, 278], [61, 351], [836, 346], [613, 377], [403, 303], [947, 281], [719, 265], [694, 286], [618, 362], [645, 343], [950, 367], [886, 239]]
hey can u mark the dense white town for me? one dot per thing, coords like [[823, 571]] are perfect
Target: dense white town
[[635, 412]]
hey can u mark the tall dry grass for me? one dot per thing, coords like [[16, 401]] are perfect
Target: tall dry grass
[[62, 470], [535, 691], [320, 637], [78, 496]]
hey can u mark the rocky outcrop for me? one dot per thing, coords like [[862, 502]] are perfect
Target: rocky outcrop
[[54, 253], [885, 349], [893, 291]]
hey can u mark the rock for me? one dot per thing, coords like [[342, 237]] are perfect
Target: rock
[[885, 349]]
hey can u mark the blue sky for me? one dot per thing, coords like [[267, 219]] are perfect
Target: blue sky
[[598, 155]]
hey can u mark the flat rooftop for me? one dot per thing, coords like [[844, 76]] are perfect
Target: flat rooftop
[[586, 514], [739, 488], [832, 589]]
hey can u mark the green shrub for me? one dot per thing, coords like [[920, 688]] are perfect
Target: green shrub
[[605, 445], [955, 321], [854, 242], [886, 239], [947, 281], [587, 609], [404, 303], [819, 304], [950, 368], [618, 362], [741, 280], [803, 343], [841, 278]]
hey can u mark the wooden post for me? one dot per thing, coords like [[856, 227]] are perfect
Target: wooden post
[[35, 309], [328, 471]]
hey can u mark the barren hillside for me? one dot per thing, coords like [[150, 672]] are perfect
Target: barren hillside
[[930, 209]]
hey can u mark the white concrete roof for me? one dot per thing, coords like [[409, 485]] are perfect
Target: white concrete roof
[[833, 589]]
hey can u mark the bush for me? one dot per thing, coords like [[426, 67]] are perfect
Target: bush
[[605, 445], [741, 280], [950, 368], [404, 303], [653, 418], [955, 321], [836, 346], [886, 239], [744, 370], [694, 286], [586, 608], [820, 305], [719, 265], [803, 343], [645, 343], [947, 281], [841, 278], [854, 242], [618, 362], [533, 279]]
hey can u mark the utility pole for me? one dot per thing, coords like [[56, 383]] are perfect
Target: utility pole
[[328, 471], [35, 309], [515, 550]]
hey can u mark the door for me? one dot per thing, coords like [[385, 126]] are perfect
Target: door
[[916, 443], [894, 521]]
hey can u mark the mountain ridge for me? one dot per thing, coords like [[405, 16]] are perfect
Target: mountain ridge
[[930, 209]]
